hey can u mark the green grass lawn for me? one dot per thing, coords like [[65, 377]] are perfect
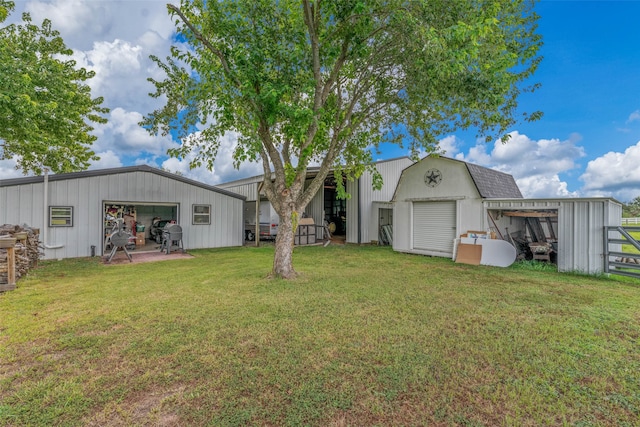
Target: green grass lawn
[[630, 248], [365, 336]]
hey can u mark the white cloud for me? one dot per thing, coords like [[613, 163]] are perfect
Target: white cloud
[[108, 159], [477, 155], [544, 187], [535, 165], [634, 117], [121, 73], [81, 21], [8, 169], [114, 39], [70, 16], [614, 174], [223, 170], [122, 134], [449, 146]]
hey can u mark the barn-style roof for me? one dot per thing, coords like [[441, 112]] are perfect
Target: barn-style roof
[[114, 171], [493, 184], [490, 183]]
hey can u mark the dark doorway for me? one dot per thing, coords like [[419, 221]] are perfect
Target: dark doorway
[[335, 209]]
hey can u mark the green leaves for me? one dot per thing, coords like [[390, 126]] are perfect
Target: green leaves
[[305, 80], [45, 107]]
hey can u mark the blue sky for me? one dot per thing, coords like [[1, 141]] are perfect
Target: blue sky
[[586, 144]]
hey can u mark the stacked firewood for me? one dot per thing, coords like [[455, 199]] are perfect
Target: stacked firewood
[[28, 249]]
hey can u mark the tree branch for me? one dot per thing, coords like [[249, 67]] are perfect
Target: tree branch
[[198, 35]]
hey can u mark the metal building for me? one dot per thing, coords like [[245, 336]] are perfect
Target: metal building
[[438, 199], [577, 224], [76, 211], [357, 219]]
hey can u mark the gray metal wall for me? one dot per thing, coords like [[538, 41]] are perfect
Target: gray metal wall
[[249, 190], [457, 186], [24, 204], [359, 207], [390, 171], [315, 210], [353, 218], [580, 228]]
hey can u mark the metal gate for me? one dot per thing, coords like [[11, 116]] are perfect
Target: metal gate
[[618, 261]]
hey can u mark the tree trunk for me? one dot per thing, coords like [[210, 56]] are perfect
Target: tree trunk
[[283, 259]]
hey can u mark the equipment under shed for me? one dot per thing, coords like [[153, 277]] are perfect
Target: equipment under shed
[[574, 228]]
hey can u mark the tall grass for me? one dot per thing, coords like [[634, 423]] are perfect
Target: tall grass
[[365, 336]]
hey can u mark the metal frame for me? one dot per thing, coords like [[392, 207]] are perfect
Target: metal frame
[[618, 265]]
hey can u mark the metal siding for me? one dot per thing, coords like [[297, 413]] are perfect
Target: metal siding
[[234, 185], [402, 226], [596, 231], [565, 237], [580, 231], [247, 190], [390, 171], [380, 213], [434, 226], [581, 239], [86, 195], [352, 212], [613, 213], [315, 210]]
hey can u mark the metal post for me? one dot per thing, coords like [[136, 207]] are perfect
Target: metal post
[[606, 249]]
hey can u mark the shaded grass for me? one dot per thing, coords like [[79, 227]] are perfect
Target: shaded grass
[[365, 336]]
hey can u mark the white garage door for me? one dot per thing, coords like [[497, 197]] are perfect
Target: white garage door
[[434, 226]]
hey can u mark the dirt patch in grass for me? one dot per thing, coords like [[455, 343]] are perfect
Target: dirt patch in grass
[[147, 408]]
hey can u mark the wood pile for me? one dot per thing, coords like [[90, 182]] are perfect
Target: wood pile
[[28, 250]]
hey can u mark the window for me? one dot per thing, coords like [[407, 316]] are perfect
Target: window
[[60, 216], [201, 214]]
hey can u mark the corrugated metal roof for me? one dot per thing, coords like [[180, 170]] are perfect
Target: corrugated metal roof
[[115, 171]]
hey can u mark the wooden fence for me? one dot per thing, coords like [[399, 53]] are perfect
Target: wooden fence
[[630, 221], [621, 262]]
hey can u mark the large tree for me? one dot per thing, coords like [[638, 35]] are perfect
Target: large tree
[[327, 81], [45, 106]]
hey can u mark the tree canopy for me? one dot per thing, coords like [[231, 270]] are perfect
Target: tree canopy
[[326, 82], [632, 208], [45, 106]]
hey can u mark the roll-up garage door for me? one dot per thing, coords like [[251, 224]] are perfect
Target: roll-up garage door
[[434, 226]]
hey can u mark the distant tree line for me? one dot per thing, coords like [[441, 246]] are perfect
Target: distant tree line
[[631, 209]]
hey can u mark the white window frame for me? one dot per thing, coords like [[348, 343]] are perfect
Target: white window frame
[[60, 219], [198, 217]]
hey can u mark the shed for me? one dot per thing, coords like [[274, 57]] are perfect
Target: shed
[[438, 199], [575, 226], [356, 219], [82, 208]]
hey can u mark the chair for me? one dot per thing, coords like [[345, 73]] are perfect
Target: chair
[[171, 236]]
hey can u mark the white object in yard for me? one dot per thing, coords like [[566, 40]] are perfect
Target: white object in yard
[[495, 252], [269, 221]]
